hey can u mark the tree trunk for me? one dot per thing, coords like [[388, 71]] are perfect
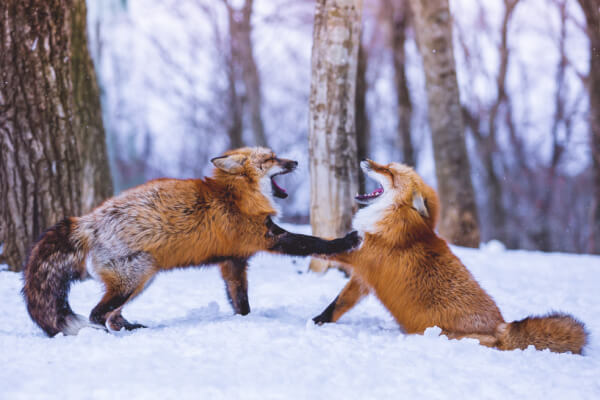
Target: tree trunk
[[251, 76], [53, 155], [236, 126], [240, 32], [459, 221], [591, 9], [100, 13], [363, 132], [494, 198], [332, 136], [96, 182], [398, 13]]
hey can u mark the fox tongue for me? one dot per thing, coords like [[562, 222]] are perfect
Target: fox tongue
[[278, 190]]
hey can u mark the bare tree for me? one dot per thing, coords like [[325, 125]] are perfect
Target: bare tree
[[96, 183], [235, 104], [53, 156], [240, 30], [332, 136], [544, 232], [591, 10], [459, 220], [363, 132], [397, 14], [224, 113], [485, 135]]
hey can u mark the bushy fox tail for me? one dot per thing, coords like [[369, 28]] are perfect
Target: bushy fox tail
[[558, 332], [54, 262]]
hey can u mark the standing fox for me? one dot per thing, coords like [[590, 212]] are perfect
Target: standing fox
[[416, 276], [165, 224]]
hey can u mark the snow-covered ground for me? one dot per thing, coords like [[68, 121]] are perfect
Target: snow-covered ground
[[195, 348]]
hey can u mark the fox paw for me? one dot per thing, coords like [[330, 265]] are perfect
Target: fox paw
[[326, 316], [132, 326], [352, 240], [117, 322], [322, 319]]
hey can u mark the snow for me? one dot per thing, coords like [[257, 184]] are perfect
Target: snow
[[195, 348]]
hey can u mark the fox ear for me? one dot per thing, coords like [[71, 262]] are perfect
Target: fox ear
[[233, 164], [418, 204]]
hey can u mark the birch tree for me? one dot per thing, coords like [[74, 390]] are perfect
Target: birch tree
[[332, 135], [53, 160], [459, 220]]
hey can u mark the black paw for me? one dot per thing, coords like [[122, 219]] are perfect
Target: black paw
[[321, 319], [117, 322], [242, 309], [352, 240], [327, 314], [130, 327]]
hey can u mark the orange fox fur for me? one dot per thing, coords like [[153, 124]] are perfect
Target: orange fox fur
[[164, 224], [421, 282]]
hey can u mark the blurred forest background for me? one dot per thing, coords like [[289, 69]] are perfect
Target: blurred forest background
[[181, 81], [176, 91]]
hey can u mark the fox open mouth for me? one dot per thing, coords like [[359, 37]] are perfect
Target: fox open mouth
[[278, 191], [369, 197]]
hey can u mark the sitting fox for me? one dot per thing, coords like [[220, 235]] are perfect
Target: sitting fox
[[165, 224], [421, 282]]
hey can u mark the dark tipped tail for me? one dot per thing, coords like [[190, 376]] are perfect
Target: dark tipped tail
[[54, 262], [558, 332]]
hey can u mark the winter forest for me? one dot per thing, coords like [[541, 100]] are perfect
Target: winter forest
[[494, 103], [183, 80]]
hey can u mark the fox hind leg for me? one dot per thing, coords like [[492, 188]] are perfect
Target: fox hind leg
[[351, 294], [233, 272], [124, 278], [111, 301], [115, 320]]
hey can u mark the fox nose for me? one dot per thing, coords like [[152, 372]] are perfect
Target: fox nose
[[290, 164]]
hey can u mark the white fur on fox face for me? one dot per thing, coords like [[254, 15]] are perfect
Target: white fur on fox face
[[267, 190], [275, 169], [365, 220], [379, 178]]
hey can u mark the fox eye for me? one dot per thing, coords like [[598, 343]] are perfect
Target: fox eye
[[268, 160]]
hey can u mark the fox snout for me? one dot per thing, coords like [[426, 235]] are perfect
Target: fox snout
[[288, 165], [365, 164]]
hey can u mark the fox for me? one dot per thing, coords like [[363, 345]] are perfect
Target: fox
[[421, 282], [161, 225]]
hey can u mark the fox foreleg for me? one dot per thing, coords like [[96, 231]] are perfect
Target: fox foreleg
[[296, 244], [233, 272], [351, 294]]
